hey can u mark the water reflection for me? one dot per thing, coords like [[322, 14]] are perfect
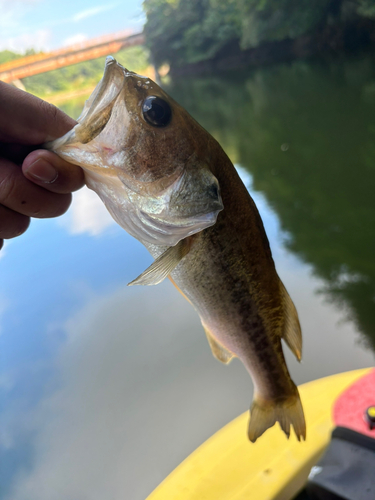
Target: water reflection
[[306, 132], [105, 389]]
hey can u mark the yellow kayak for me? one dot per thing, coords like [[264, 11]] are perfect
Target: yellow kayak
[[228, 467]]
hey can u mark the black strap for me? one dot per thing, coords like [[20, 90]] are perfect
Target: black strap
[[354, 437]]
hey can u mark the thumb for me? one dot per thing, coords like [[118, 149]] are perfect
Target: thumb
[[52, 172]]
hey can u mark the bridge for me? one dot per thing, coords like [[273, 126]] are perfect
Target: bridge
[[14, 71]]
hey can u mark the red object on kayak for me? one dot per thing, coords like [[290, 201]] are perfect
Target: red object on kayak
[[351, 407]]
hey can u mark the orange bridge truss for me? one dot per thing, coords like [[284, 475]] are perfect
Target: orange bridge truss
[[44, 62]]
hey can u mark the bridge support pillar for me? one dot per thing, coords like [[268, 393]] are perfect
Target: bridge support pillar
[[18, 84]]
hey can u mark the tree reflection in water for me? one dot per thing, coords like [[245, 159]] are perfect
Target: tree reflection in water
[[306, 133]]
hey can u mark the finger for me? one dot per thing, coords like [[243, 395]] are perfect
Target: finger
[[23, 196], [29, 120], [12, 224], [52, 172]]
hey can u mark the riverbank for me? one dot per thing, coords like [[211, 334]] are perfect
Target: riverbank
[[333, 39], [58, 98], [62, 97]]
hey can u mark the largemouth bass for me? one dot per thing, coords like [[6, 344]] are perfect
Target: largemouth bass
[[167, 182]]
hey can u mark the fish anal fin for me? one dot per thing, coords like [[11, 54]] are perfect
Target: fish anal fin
[[219, 352], [163, 265], [291, 332], [265, 413]]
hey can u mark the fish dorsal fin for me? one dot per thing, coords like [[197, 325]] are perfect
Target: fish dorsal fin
[[291, 332], [163, 265], [219, 352]]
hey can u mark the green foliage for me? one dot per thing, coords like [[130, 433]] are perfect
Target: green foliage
[[222, 20], [73, 107], [182, 31], [7, 55], [366, 8], [65, 79], [273, 20]]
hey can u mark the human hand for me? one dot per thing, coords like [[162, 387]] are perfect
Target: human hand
[[42, 188]]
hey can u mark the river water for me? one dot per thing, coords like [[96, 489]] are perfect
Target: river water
[[104, 388]]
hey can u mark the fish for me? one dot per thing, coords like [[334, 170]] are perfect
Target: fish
[[168, 183]]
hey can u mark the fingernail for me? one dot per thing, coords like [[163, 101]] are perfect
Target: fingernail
[[42, 171]]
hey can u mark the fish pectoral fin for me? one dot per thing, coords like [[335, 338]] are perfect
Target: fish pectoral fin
[[265, 413], [163, 265], [292, 329], [219, 352]]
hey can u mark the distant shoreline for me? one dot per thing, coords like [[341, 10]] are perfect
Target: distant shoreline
[[332, 39], [62, 97]]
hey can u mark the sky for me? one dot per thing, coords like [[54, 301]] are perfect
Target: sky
[[49, 24]]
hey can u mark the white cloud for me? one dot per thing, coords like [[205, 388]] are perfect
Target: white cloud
[[87, 214], [16, 7], [137, 391], [38, 40], [92, 12], [12, 14], [72, 40]]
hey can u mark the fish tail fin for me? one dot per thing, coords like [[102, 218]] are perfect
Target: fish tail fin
[[265, 413]]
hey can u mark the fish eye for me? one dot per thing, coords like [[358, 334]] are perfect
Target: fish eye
[[156, 111]]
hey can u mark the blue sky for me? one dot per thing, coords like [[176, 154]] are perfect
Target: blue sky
[[50, 24]]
